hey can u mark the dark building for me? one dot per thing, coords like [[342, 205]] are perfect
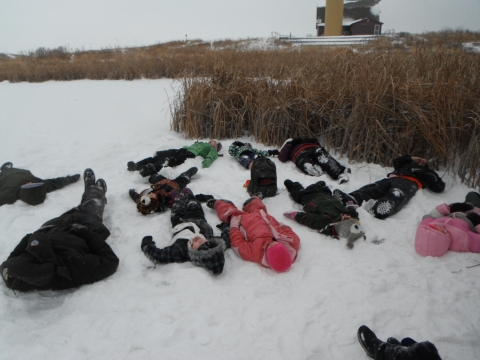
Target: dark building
[[357, 27]]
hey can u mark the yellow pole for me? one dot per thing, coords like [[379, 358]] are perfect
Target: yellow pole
[[333, 17]]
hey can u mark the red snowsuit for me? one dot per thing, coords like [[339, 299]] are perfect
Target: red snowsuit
[[256, 231]]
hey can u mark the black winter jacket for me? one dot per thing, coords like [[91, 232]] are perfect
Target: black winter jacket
[[12, 179], [65, 252], [404, 165]]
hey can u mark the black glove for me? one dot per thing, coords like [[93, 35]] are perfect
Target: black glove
[[78, 229], [147, 240], [273, 152], [223, 226], [330, 231], [460, 207], [133, 194], [474, 218]]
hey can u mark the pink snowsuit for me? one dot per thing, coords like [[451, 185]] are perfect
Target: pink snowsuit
[[441, 231]]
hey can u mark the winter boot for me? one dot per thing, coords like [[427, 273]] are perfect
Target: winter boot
[[344, 177], [189, 173], [131, 166], [7, 165], [369, 341], [211, 203], [203, 198], [393, 341], [102, 184], [89, 177], [344, 198], [147, 170], [73, 178], [288, 184]]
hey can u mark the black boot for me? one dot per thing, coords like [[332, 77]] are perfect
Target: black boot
[[203, 198], [89, 177], [102, 184], [369, 341], [211, 203], [131, 166], [147, 170], [189, 173], [133, 194], [288, 184]]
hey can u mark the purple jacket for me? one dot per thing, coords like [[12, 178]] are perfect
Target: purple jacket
[[442, 231]]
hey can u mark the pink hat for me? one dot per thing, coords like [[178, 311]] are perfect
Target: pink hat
[[278, 257]]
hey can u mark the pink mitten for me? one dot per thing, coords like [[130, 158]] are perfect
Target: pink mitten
[[290, 214]]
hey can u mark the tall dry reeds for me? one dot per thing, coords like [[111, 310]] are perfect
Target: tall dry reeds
[[369, 105]]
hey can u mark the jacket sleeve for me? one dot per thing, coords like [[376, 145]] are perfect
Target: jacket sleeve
[[177, 252], [284, 154], [210, 158], [261, 152], [247, 250], [313, 221], [430, 178], [99, 264], [22, 245]]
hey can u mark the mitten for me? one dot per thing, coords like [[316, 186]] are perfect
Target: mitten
[[133, 194], [147, 240], [207, 162], [273, 152], [223, 226], [474, 218], [329, 230], [290, 214], [235, 221], [460, 207]]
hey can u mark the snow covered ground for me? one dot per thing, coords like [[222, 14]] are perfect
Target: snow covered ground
[[179, 311]]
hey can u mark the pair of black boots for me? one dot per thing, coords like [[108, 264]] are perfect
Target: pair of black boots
[[89, 180], [392, 349]]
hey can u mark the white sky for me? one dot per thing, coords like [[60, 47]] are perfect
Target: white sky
[[29, 24]]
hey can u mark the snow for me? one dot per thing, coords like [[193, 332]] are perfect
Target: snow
[[179, 311]]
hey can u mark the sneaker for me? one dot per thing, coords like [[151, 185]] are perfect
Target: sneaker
[[368, 340], [7, 165], [102, 184], [147, 170], [211, 203], [89, 177], [131, 166], [344, 198]]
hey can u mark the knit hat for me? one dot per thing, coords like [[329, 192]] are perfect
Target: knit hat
[[278, 257], [209, 255], [33, 194], [349, 229]]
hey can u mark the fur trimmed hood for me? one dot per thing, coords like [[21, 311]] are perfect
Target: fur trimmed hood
[[212, 259]]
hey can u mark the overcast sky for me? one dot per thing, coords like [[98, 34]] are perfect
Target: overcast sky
[[94, 24]]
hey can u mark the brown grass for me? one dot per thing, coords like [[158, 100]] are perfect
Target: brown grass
[[416, 94]]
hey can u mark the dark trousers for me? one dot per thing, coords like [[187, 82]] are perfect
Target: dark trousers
[[319, 157], [93, 202], [392, 194], [172, 157], [182, 180], [303, 196], [418, 351], [190, 210], [57, 183]]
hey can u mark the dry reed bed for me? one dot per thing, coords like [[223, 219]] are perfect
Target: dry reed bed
[[370, 106]]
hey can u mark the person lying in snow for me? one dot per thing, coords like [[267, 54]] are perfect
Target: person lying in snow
[[67, 251], [246, 154], [21, 184], [323, 212], [174, 157], [192, 237], [407, 349], [312, 159], [257, 236], [157, 198], [388, 196], [454, 227]]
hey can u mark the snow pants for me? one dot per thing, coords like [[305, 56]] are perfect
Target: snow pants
[[417, 351], [171, 158], [392, 194], [190, 210]]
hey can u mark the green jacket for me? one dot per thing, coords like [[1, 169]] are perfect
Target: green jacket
[[204, 150], [323, 210]]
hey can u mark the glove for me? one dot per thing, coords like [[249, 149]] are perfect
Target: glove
[[235, 221], [222, 226], [78, 229], [460, 207], [474, 218], [207, 162], [133, 194], [147, 240], [290, 214], [273, 152], [330, 231]]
